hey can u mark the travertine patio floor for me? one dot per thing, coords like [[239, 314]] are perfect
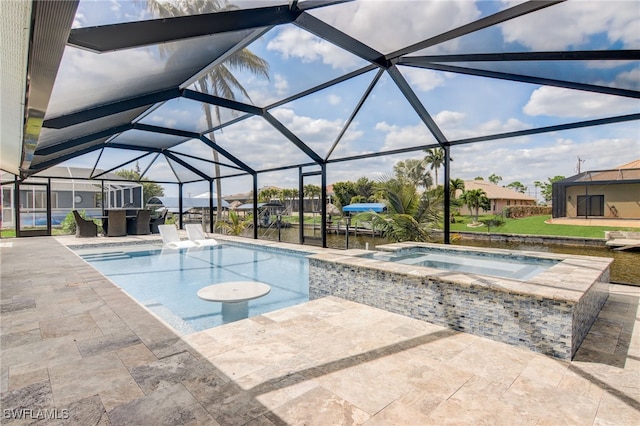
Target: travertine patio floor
[[73, 342]]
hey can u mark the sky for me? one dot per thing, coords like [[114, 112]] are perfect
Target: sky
[[463, 106]]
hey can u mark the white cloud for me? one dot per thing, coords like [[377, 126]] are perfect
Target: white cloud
[[455, 125], [259, 145], [561, 102], [579, 21], [115, 6], [391, 25], [449, 118], [629, 79], [79, 20], [550, 156], [281, 84], [404, 136], [293, 42], [334, 99], [307, 128], [423, 80]]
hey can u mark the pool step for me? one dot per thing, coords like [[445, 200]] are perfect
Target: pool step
[[106, 256]]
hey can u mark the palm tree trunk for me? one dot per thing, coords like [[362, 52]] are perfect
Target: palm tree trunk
[[216, 159]]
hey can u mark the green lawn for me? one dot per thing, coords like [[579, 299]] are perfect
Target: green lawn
[[535, 225]]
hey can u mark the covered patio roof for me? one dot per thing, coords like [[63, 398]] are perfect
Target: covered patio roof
[[116, 91]]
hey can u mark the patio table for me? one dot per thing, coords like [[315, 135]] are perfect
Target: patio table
[[234, 296]]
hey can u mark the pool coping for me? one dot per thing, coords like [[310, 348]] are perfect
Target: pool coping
[[551, 313], [566, 281]]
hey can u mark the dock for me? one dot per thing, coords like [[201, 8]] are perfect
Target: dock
[[353, 230], [623, 240]]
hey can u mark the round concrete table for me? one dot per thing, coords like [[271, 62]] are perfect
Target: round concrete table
[[234, 296]]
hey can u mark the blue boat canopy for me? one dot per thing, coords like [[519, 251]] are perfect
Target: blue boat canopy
[[365, 207]]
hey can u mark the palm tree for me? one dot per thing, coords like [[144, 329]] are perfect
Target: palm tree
[[455, 184], [409, 216], [435, 158], [476, 198], [311, 191], [235, 226], [290, 195], [266, 194], [413, 171], [219, 81]]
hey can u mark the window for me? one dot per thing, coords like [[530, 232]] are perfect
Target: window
[[590, 205], [35, 199]]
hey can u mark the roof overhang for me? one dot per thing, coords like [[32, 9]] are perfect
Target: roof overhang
[[15, 33]]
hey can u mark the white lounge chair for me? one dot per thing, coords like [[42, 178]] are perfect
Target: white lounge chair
[[195, 233], [171, 239]]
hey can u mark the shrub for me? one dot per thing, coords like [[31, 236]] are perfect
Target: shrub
[[69, 222], [494, 222], [526, 211]]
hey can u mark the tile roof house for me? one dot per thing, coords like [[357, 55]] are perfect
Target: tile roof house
[[499, 196], [613, 193]]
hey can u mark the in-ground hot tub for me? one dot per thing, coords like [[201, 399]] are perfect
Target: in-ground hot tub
[[545, 302]]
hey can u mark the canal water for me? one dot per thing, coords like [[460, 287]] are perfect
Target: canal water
[[625, 267]]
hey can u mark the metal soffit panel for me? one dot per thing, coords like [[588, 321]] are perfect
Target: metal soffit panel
[[51, 23], [132, 96]]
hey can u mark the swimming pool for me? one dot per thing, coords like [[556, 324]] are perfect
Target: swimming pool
[[518, 268], [166, 281]]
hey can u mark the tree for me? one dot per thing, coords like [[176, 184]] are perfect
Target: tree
[[236, 225], [517, 186], [435, 158], [219, 81], [267, 193], [495, 179], [455, 185], [409, 215], [312, 191], [478, 178], [413, 171], [344, 192], [290, 195], [365, 188], [149, 189], [546, 187], [475, 199]]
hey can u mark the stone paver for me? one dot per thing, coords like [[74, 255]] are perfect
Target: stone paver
[[73, 346]]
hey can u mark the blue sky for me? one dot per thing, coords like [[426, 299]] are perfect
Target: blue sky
[[463, 106]]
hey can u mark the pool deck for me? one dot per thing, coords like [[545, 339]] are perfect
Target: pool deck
[[74, 344]]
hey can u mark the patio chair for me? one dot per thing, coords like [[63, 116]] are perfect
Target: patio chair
[[171, 239], [195, 233], [84, 228], [139, 225], [117, 223], [155, 222]]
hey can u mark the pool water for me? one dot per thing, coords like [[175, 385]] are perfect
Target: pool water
[[166, 281], [520, 268]]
